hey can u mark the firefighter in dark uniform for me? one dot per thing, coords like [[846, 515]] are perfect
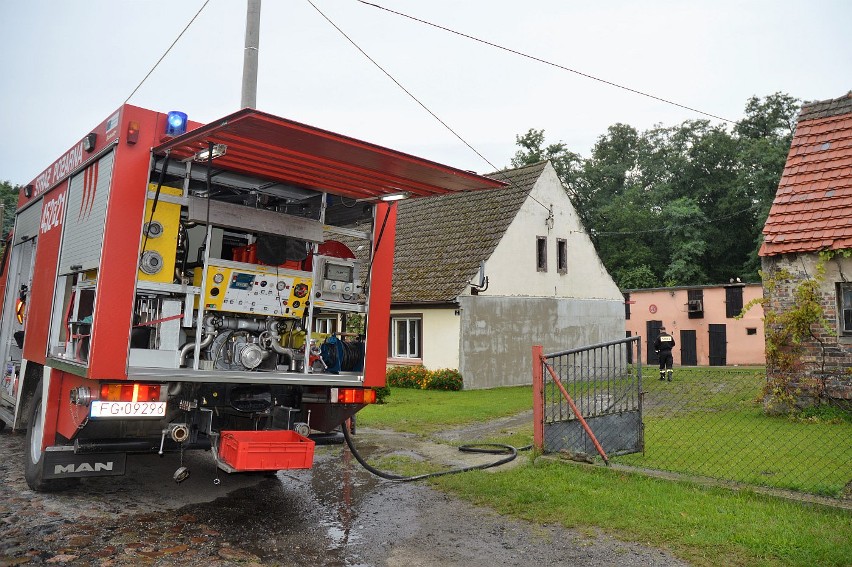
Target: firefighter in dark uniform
[[663, 347]]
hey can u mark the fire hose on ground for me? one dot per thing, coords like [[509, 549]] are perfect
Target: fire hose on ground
[[488, 448]]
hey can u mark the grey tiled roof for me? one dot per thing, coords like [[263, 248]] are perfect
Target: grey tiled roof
[[826, 108], [440, 241]]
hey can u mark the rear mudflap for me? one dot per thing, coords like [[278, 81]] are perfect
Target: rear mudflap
[[63, 462]]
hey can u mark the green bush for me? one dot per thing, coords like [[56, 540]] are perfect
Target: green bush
[[420, 378], [381, 394]]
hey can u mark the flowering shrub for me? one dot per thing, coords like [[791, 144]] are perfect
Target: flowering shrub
[[446, 379], [420, 378]]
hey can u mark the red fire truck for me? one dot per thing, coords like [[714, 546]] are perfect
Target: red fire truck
[[171, 286]]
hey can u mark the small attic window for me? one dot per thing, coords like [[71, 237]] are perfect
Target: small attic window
[[541, 253], [561, 255]]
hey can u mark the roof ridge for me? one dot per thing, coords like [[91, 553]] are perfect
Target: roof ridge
[[536, 165], [826, 108]]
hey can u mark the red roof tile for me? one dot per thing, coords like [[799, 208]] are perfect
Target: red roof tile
[[813, 205]]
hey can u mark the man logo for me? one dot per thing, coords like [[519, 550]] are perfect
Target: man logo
[[66, 464], [82, 467]]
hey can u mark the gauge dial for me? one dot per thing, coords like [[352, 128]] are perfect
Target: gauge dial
[[300, 290]]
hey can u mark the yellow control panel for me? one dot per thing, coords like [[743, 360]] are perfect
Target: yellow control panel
[[256, 291], [159, 238]]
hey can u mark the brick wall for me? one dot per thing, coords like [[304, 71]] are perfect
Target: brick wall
[[826, 361]]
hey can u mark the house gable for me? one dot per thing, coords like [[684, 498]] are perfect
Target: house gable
[[548, 215]]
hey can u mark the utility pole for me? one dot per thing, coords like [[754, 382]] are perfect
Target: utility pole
[[249, 93]]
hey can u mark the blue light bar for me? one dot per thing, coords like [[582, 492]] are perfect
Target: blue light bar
[[176, 123]]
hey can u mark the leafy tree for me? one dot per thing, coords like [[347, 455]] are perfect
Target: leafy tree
[[679, 204], [686, 239], [9, 198], [565, 162], [772, 117], [637, 277]]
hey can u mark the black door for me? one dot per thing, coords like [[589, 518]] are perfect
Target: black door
[[718, 345], [688, 352], [629, 349], [652, 331]]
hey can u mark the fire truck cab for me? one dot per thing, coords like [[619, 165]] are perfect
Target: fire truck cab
[[171, 286]]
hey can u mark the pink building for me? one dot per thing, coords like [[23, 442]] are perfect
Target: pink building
[[702, 320]]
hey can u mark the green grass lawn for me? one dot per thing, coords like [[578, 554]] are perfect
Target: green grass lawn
[[710, 422], [428, 411], [747, 446], [707, 526]]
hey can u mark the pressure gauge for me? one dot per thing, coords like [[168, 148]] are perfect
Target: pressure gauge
[[218, 278], [281, 286], [300, 290]]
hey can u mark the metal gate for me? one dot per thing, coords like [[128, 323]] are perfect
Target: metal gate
[[588, 400]]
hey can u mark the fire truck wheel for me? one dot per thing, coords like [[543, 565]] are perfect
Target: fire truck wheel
[[33, 454]]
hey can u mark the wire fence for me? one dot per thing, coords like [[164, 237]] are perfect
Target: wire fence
[[709, 422]]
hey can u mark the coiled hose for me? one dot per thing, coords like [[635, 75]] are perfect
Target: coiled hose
[[489, 448]]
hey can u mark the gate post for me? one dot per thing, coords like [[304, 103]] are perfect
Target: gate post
[[538, 397]]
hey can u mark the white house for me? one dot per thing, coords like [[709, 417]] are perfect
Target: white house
[[542, 282]]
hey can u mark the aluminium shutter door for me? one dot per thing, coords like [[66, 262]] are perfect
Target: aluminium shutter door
[[88, 195]]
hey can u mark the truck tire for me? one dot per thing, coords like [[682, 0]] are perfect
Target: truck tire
[[33, 455]]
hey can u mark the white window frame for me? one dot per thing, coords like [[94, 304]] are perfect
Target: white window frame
[[326, 325], [413, 325]]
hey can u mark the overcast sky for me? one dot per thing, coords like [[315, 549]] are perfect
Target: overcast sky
[[65, 66]]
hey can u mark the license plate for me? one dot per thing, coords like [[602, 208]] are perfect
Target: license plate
[[128, 409]]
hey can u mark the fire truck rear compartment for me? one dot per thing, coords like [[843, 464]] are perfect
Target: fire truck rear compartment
[[200, 411]]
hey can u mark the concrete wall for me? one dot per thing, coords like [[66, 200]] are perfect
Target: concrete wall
[[669, 305], [512, 270], [498, 333]]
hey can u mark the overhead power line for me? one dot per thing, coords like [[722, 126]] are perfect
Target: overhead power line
[[545, 61], [392, 78], [180, 35], [410, 94]]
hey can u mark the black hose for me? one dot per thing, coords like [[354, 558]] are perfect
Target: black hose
[[491, 448]]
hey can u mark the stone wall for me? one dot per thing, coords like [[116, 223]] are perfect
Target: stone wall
[[825, 368]]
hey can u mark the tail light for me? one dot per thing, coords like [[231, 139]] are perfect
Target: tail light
[[20, 308], [352, 396], [133, 392]]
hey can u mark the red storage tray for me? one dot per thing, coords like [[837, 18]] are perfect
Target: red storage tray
[[266, 450]]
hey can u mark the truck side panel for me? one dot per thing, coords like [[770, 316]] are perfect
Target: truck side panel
[[120, 255], [44, 274]]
